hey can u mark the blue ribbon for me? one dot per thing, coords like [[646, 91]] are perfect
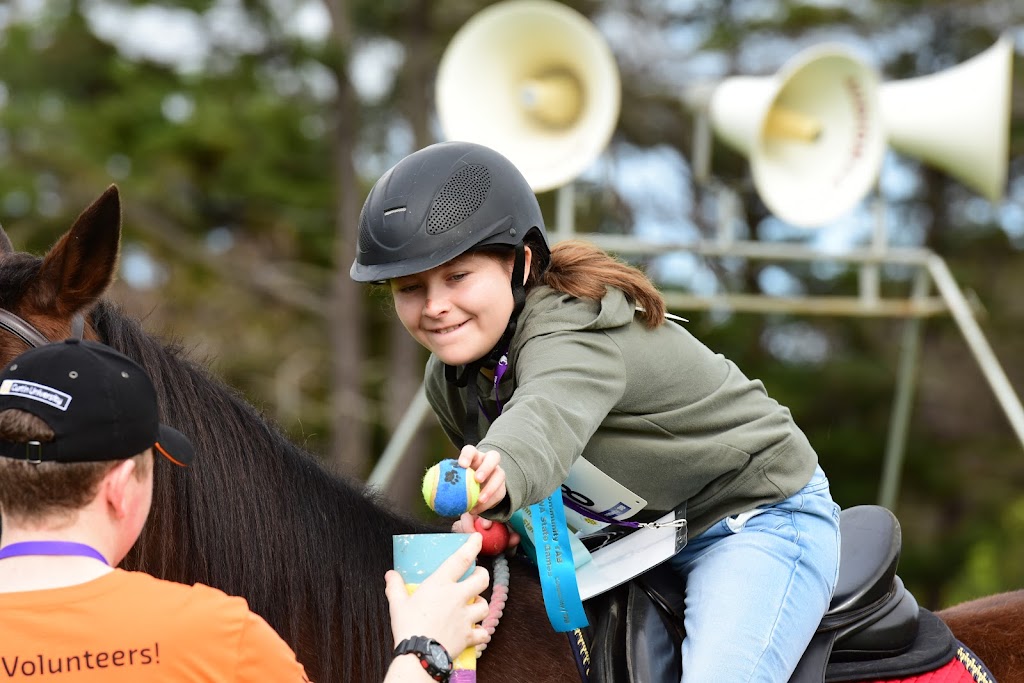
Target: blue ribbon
[[555, 565], [549, 548]]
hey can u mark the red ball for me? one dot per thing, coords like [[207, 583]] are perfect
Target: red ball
[[495, 539]]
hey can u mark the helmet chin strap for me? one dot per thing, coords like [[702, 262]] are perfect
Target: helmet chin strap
[[467, 378]]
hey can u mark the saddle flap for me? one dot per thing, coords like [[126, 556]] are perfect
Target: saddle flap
[[652, 643], [665, 588], [886, 632], [633, 634], [869, 552], [606, 635]]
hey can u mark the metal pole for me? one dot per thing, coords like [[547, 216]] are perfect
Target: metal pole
[[983, 353], [408, 426], [906, 380], [697, 98], [565, 209], [870, 276], [701, 146], [625, 245], [728, 212], [917, 306]]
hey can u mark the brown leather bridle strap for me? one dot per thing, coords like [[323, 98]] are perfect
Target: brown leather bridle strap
[[24, 330], [21, 329]]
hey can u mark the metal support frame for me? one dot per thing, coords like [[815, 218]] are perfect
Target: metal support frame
[[906, 380], [930, 268], [406, 430], [918, 305]]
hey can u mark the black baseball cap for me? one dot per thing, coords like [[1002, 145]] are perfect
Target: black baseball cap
[[99, 403]]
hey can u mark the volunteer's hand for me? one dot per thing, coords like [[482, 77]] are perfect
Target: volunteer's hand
[[442, 607]]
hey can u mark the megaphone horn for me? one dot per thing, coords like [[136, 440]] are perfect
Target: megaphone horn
[[534, 80], [957, 120], [554, 99], [812, 132]]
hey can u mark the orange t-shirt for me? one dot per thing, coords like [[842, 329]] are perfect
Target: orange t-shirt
[[129, 626]]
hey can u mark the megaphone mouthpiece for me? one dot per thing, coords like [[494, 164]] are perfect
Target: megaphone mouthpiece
[[812, 133], [787, 124], [554, 99]]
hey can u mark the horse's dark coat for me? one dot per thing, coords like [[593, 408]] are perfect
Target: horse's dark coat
[[257, 516]]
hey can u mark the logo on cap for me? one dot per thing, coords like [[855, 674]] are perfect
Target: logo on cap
[[36, 392]]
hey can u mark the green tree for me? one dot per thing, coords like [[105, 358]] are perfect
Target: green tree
[[244, 158]]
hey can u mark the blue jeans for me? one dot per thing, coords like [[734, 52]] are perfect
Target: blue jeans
[[757, 585]]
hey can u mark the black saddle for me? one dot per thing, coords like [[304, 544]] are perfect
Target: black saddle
[[873, 629]]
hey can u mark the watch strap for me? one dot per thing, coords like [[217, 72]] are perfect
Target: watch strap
[[420, 646]]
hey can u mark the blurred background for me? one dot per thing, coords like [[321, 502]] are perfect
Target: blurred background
[[245, 134]]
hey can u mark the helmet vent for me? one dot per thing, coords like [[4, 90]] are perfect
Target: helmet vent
[[461, 195], [365, 241]]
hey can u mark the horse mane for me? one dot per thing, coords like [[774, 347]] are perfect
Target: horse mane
[[18, 271], [260, 517]]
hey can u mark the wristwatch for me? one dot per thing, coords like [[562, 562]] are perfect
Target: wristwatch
[[432, 655]]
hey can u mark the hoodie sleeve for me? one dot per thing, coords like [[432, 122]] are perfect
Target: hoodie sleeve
[[567, 383]]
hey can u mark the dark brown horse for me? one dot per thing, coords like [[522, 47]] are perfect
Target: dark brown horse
[[261, 518], [257, 516]]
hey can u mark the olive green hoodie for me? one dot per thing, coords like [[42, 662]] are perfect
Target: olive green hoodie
[[655, 410]]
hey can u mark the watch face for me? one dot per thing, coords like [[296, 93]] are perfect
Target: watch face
[[439, 655]]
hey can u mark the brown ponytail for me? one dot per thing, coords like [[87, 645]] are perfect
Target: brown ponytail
[[583, 270]]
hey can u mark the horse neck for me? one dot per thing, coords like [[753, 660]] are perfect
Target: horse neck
[[258, 517]]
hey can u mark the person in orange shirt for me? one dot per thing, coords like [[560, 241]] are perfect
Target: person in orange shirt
[[78, 431]]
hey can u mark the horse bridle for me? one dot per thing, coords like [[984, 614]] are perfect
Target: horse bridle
[[26, 332]]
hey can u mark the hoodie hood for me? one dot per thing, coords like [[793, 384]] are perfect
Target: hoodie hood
[[548, 310]]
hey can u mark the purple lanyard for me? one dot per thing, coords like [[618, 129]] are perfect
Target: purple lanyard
[[51, 548], [499, 372]]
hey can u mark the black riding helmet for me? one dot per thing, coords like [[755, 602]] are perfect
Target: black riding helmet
[[438, 203]]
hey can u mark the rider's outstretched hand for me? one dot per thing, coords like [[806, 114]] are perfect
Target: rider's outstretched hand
[[489, 475]]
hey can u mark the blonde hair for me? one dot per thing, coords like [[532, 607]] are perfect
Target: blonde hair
[[584, 270]]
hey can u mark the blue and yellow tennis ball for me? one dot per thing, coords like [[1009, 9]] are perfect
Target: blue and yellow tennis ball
[[450, 490]]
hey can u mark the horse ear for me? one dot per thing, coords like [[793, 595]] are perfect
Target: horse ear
[[80, 267], [5, 242]]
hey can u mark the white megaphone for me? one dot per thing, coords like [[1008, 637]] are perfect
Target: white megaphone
[[812, 133], [957, 120], [534, 80]]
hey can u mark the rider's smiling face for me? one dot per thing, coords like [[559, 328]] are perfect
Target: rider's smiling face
[[458, 310]]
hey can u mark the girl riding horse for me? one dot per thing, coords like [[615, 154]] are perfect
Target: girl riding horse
[[583, 364]]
